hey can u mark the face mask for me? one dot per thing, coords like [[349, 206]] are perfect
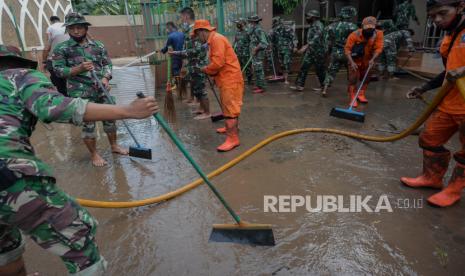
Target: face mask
[[185, 25], [78, 39], [368, 33]]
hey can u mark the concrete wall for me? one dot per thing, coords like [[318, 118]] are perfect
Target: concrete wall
[[32, 19], [117, 34], [265, 11]]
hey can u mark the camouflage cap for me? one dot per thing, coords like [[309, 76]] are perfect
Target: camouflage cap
[[254, 18], [276, 20], [239, 21], [312, 13], [14, 54], [288, 22], [348, 12], [75, 18], [437, 3]]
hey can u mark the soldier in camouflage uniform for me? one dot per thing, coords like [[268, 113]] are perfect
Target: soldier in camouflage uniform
[[387, 26], [337, 34], [30, 201], [258, 45], [286, 42], [273, 49], [392, 43], [314, 52], [74, 60], [196, 55], [403, 13], [242, 47]]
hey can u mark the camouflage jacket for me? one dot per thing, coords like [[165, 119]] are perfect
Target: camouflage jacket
[[69, 54], [194, 52], [242, 42], [338, 32], [394, 39], [27, 96], [284, 37], [315, 36], [403, 13], [258, 38]]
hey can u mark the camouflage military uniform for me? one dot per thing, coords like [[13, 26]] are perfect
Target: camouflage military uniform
[[30, 202], [387, 26], [242, 48], [403, 13], [258, 39], [314, 55], [337, 34], [392, 43], [286, 42], [196, 58], [70, 54]]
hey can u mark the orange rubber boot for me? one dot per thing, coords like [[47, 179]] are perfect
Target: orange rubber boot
[[452, 192], [352, 91], [361, 96], [434, 168], [221, 130], [232, 136]]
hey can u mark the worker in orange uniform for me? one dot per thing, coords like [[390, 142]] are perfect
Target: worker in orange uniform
[[225, 68], [362, 48], [449, 118]]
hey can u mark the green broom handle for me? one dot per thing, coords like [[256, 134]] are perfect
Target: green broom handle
[[169, 67], [191, 160], [247, 64]]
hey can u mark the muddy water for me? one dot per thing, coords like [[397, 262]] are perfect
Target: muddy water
[[171, 238]]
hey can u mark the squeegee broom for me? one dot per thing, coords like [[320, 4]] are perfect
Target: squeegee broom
[[137, 151], [274, 78], [240, 232], [350, 113]]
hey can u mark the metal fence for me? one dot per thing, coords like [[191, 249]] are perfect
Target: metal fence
[[220, 13]]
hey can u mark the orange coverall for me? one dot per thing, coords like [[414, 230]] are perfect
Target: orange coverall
[[372, 46], [225, 68], [450, 116]]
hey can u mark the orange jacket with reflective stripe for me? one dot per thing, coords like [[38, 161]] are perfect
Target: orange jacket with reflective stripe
[[224, 65], [373, 45]]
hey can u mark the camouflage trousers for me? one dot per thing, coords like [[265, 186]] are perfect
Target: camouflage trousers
[[243, 59], [36, 207], [285, 59], [88, 128], [337, 60], [259, 72], [197, 80], [388, 59], [311, 59]]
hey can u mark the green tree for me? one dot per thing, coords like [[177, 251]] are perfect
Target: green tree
[[287, 5], [105, 7]]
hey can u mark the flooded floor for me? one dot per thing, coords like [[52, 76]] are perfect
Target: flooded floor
[[171, 238]]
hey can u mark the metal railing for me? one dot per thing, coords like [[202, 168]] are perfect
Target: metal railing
[[220, 13]]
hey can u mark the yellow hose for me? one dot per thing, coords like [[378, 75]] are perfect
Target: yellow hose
[[164, 197]]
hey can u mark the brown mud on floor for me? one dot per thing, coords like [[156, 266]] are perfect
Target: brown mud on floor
[[171, 238]]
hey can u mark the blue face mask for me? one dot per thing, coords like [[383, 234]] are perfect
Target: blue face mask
[[185, 25]]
